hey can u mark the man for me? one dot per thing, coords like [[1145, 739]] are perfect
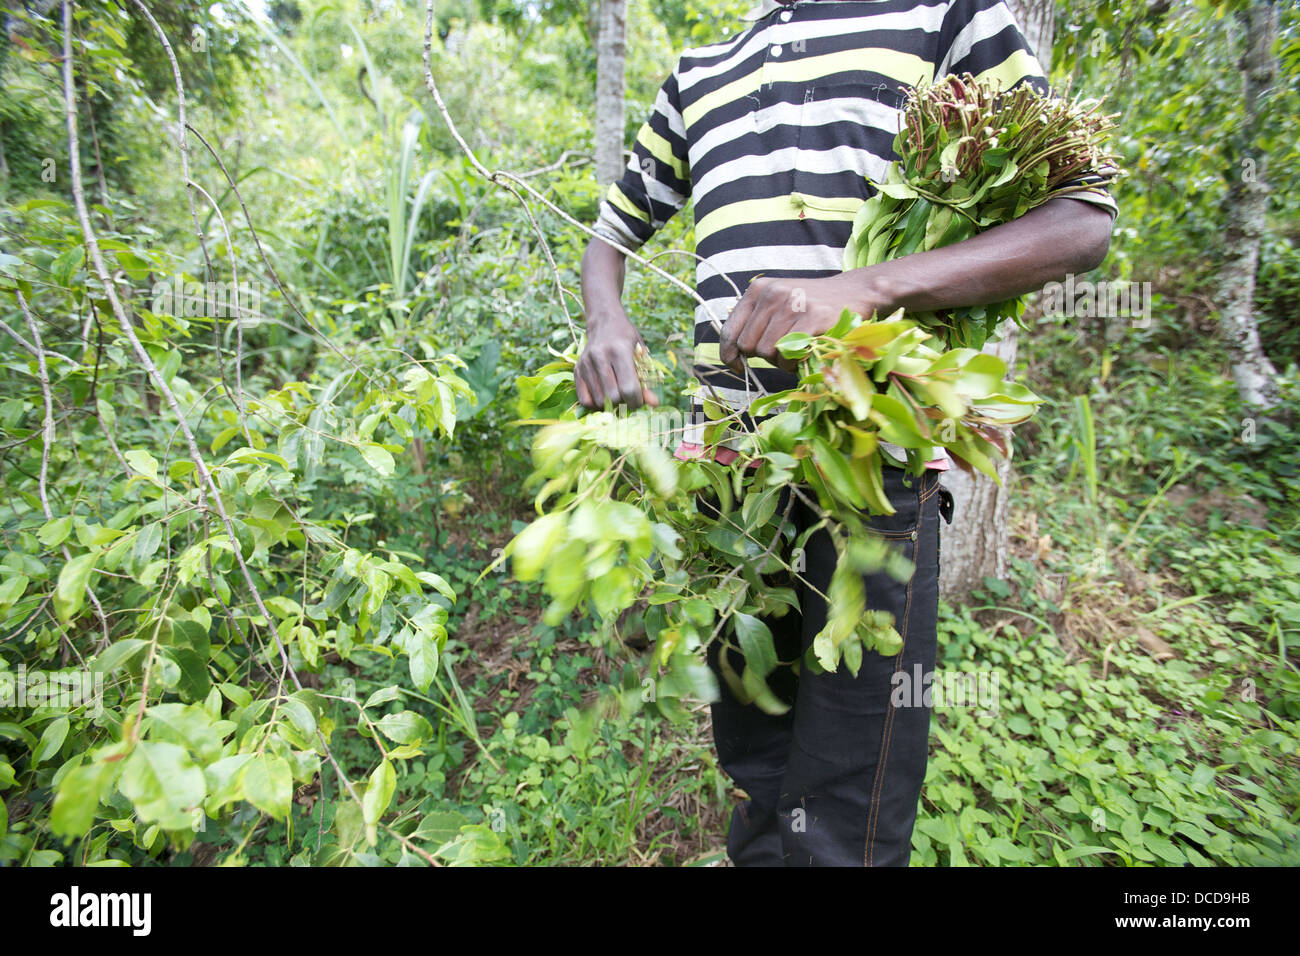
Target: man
[[773, 134]]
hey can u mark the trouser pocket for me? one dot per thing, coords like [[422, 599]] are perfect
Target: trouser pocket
[[945, 511], [946, 504]]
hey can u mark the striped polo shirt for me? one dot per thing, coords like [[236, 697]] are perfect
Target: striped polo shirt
[[773, 134]]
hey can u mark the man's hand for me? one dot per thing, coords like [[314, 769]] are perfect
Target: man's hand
[[1061, 236], [772, 308], [606, 371]]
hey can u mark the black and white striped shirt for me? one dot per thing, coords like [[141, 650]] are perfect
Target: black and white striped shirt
[[773, 134]]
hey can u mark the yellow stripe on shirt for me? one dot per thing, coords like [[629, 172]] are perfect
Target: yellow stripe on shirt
[[750, 212], [616, 197], [902, 67], [1012, 70], [659, 148]]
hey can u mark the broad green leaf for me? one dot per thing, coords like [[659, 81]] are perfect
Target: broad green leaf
[[439, 827], [189, 725], [54, 532], [56, 732], [406, 727], [300, 716], [143, 462], [70, 593], [378, 458], [834, 467], [756, 643], [13, 588], [267, 784], [530, 550], [77, 798], [119, 654], [379, 793], [224, 780], [382, 696], [422, 652], [163, 783], [854, 386], [438, 583], [761, 694]]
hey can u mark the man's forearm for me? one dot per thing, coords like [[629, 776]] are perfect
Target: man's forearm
[[606, 370], [1061, 236], [603, 270], [1018, 257]]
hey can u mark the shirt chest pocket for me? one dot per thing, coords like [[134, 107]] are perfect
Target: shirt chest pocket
[[847, 127]]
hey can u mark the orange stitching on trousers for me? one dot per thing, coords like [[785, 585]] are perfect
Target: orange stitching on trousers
[[877, 786]]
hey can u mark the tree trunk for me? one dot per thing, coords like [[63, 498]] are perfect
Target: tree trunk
[[611, 52], [975, 545], [1037, 20], [1247, 208]]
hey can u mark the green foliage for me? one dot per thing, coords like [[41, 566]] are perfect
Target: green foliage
[[369, 475], [1103, 746], [211, 611], [1277, 297], [1172, 73], [1149, 764]]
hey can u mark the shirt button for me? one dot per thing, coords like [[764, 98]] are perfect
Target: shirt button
[[776, 50], [786, 14]]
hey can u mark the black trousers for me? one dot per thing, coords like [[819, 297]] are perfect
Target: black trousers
[[835, 781]]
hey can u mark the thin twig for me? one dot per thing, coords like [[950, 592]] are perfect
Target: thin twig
[[238, 396], [275, 277], [47, 444]]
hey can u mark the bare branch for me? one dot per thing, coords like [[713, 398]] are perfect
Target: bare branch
[[47, 443], [207, 486]]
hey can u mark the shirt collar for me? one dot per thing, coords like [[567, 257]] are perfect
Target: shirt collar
[[763, 9]]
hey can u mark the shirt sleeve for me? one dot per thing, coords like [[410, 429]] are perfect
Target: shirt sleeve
[[657, 181], [982, 38]]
